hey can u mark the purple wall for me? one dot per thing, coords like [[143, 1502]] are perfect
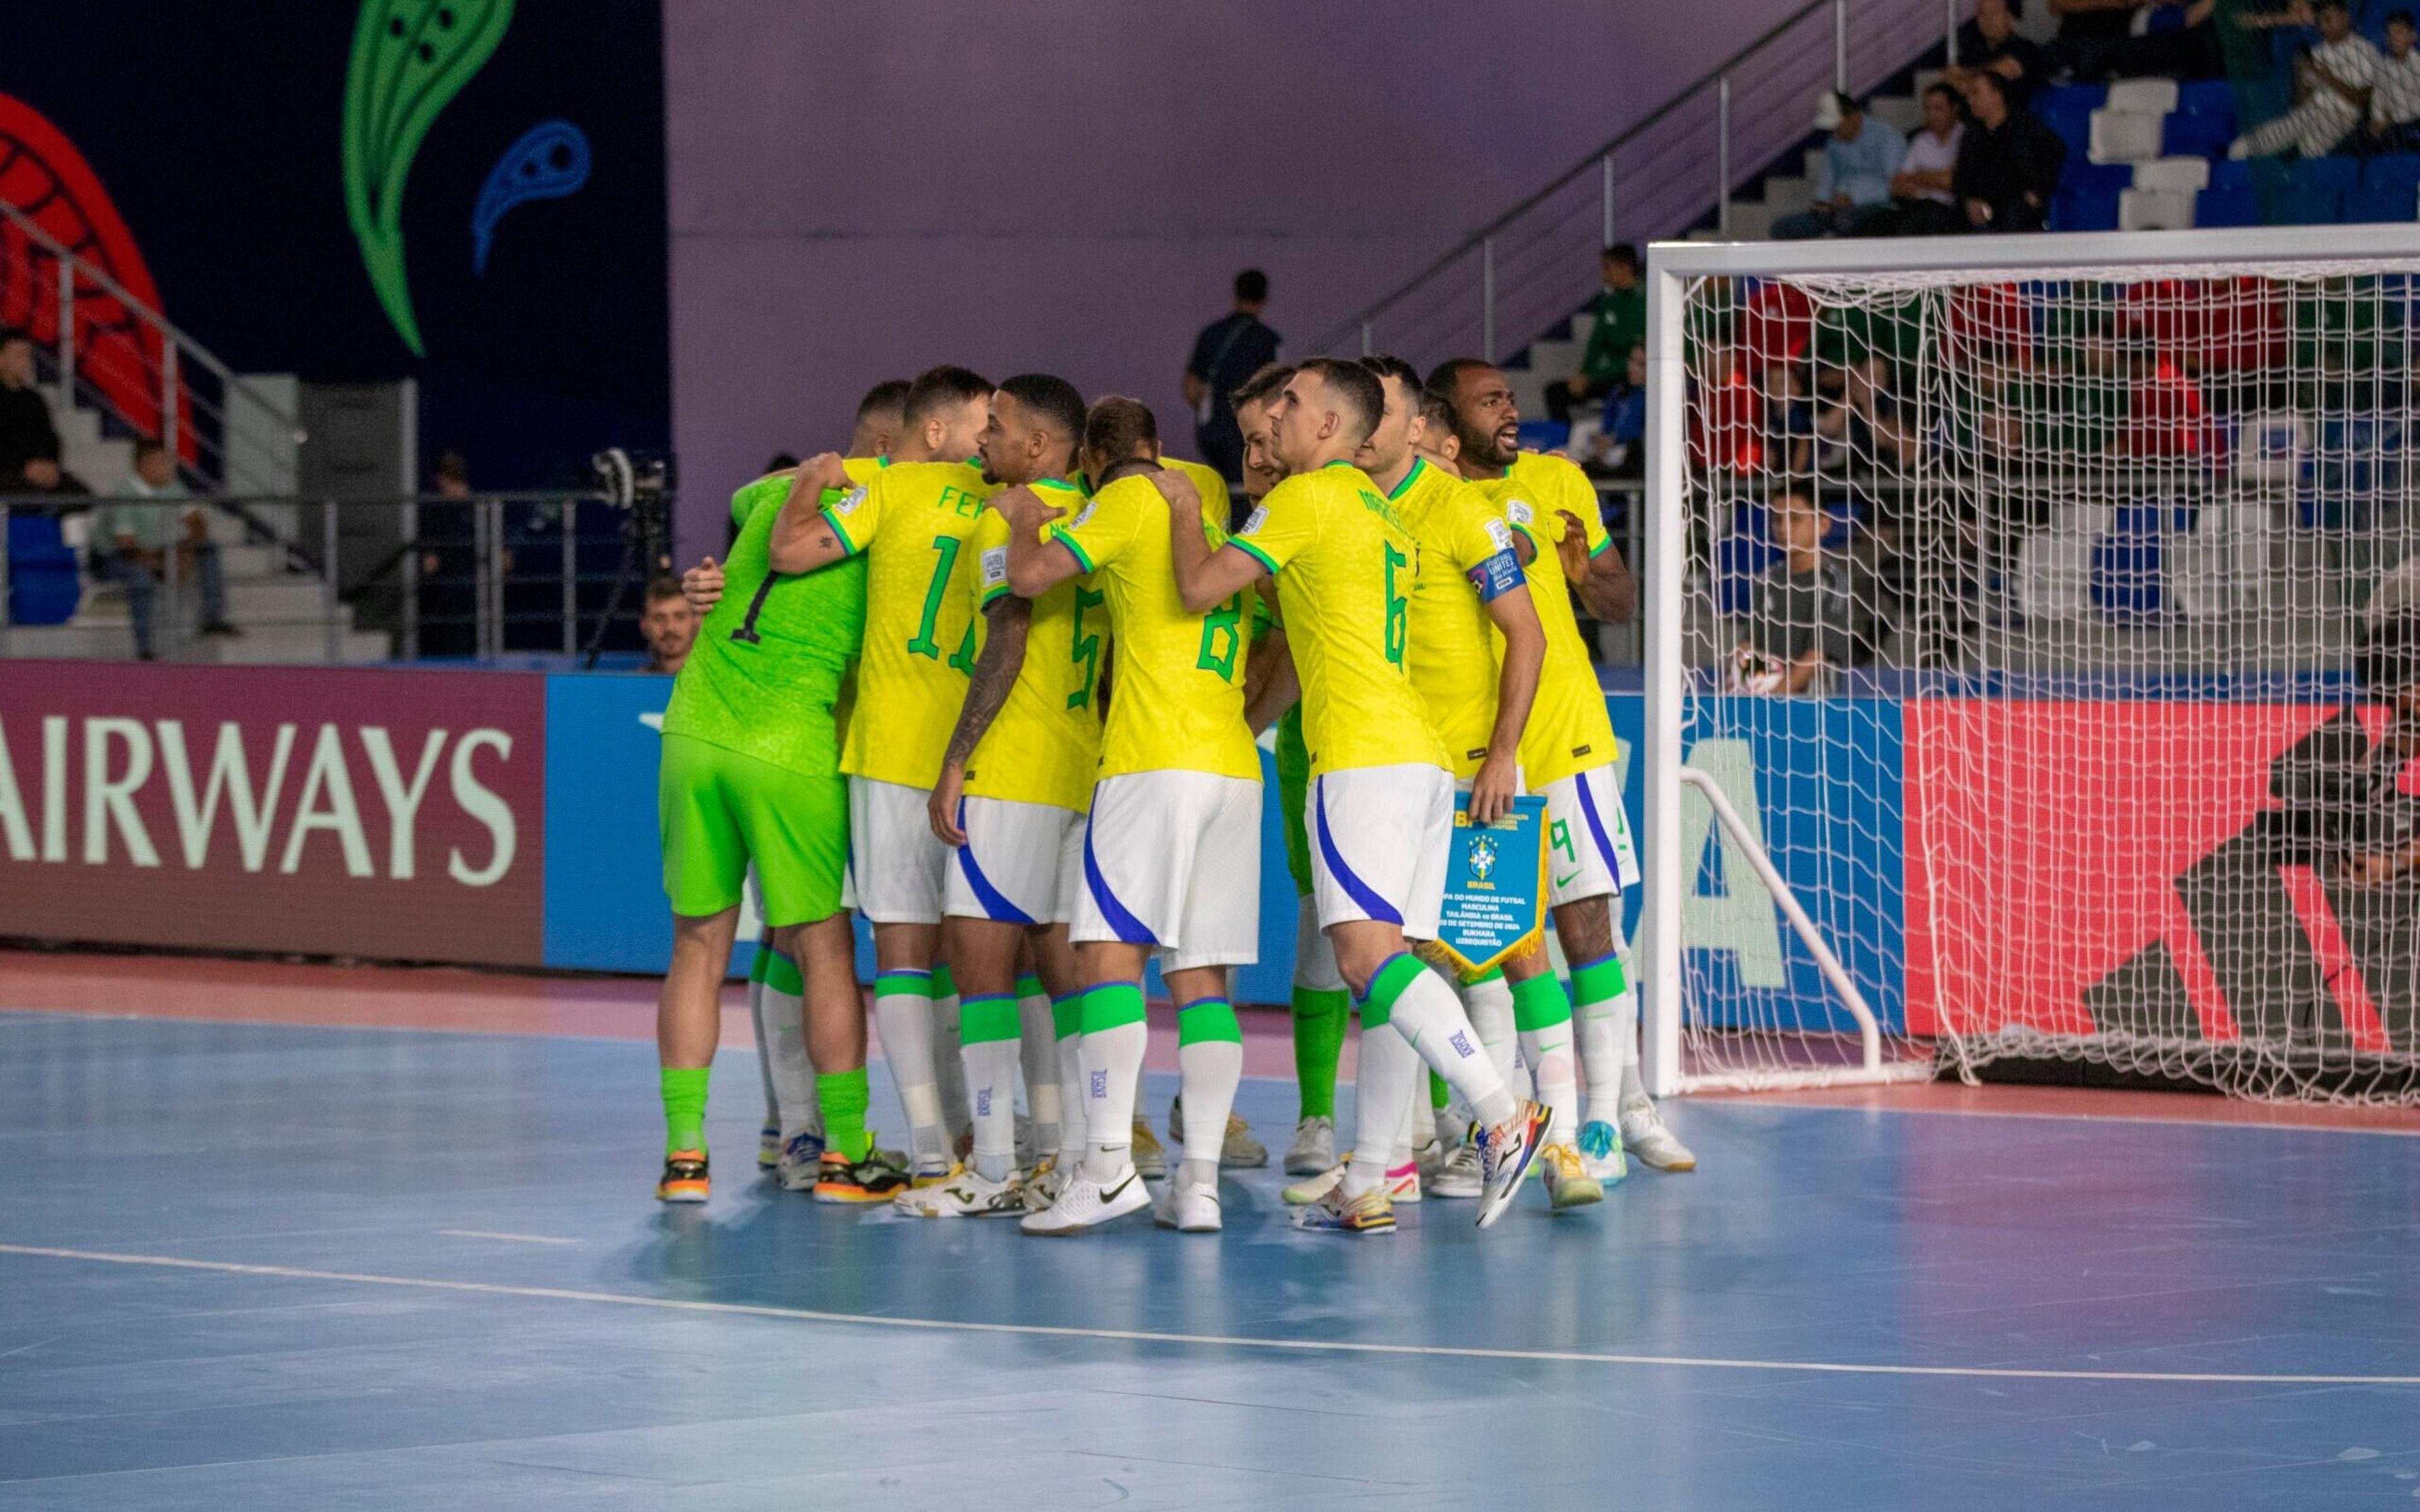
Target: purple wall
[[858, 191]]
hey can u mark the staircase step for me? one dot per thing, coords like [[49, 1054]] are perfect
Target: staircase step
[[1751, 221], [262, 646], [1788, 196]]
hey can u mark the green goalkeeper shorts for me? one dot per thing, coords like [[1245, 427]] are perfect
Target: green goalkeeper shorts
[[1293, 792], [721, 811]]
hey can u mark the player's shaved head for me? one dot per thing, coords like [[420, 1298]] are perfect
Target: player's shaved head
[[1118, 430], [1329, 408], [881, 416], [1037, 421], [943, 414], [1486, 420]]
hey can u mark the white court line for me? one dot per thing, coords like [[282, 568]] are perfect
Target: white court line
[[512, 1239], [804, 1315]]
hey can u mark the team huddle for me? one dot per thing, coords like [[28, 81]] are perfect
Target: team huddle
[[995, 679]]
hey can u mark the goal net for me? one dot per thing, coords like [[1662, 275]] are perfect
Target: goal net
[[2034, 662]]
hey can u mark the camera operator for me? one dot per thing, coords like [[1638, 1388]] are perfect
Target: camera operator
[[2387, 844]]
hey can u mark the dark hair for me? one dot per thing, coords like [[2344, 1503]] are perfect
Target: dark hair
[[1437, 408], [2333, 5], [450, 465], [662, 586], [781, 462], [1264, 384], [1622, 253], [148, 446], [1251, 286], [890, 393], [1447, 376], [1945, 92], [2000, 85], [2403, 16], [10, 335], [1053, 398], [1361, 401], [936, 388], [1117, 427], [1389, 366]]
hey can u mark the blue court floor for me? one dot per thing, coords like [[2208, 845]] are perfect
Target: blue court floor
[[270, 1267]]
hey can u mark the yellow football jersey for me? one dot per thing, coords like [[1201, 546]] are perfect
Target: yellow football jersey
[[1569, 729], [912, 522], [1345, 566], [1453, 657], [1046, 741], [1179, 704], [1206, 482]]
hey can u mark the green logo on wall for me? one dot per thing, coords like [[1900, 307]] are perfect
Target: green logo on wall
[[410, 58]]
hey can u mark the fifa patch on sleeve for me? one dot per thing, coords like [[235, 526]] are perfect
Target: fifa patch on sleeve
[[1083, 516], [850, 501], [1519, 512], [1260, 517], [1496, 576], [1501, 535], [995, 567]]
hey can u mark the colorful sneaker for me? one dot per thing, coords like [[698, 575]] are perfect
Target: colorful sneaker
[[768, 1146], [1372, 1213], [1459, 1176], [877, 1177], [1505, 1152], [1240, 1153], [1150, 1159], [684, 1179], [1189, 1207], [1403, 1184], [1568, 1182], [1600, 1148], [965, 1195], [1314, 1149], [1643, 1132], [802, 1163], [1084, 1203]]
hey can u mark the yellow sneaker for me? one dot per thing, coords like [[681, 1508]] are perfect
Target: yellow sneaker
[[1150, 1161], [1568, 1182]]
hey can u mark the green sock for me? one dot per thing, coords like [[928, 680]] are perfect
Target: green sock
[[842, 1097], [1318, 1042], [1439, 1093], [684, 1093]]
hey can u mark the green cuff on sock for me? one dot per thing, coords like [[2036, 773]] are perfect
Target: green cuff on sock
[[1067, 1014], [757, 969], [1207, 1018], [1029, 986], [892, 983], [842, 1097], [1399, 972], [1539, 1004], [780, 973], [1601, 980], [986, 1020], [944, 985], [1111, 1004]]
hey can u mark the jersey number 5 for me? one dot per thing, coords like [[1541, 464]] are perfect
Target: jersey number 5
[[1085, 648]]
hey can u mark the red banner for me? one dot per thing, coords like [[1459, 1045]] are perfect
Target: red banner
[[391, 814]]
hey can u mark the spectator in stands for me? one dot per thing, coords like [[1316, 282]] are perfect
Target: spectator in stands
[[2332, 82], [1990, 41], [1227, 351], [29, 443], [668, 625], [2125, 39], [1804, 627], [150, 516], [1621, 312], [1620, 450], [2395, 95], [448, 541], [1921, 203], [2007, 162], [1852, 184]]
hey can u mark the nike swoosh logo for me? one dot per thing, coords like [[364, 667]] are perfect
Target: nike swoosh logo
[[1120, 1187], [1560, 882]]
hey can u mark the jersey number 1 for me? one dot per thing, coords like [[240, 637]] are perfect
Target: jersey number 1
[[946, 547]]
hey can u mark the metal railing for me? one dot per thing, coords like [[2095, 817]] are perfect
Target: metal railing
[[1534, 264], [480, 577]]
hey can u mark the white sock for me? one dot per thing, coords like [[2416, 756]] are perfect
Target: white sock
[[1625, 1034], [1428, 1014], [1038, 1060], [782, 1017], [1210, 1065], [903, 1015], [949, 1076], [1490, 1006], [1113, 1068], [764, 1051], [1384, 1091], [991, 1061], [1550, 1051], [1068, 1013]]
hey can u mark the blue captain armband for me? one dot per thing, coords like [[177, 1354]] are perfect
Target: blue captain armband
[[1496, 576]]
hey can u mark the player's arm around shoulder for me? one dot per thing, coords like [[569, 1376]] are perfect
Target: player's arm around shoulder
[[808, 535], [1206, 577], [1039, 556]]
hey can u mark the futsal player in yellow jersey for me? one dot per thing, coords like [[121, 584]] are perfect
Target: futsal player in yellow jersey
[[1570, 757], [912, 523], [1382, 789], [1171, 851], [1014, 782]]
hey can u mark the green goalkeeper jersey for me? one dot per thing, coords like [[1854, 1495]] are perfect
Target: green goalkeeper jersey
[[769, 661]]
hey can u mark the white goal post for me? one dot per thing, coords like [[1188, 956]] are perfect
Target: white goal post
[[2023, 617]]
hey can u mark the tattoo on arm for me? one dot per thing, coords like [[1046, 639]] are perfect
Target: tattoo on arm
[[1586, 929], [995, 673]]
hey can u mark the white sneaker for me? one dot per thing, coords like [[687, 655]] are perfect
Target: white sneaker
[[1459, 1176], [1505, 1152], [967, 1195], [1314, 1149], [1189, 1207], [1042, 1184], [802, 1163], [1403, 1184], [1600, 1148], [1084, 1203], [1644, 1134], [1237, 1152]]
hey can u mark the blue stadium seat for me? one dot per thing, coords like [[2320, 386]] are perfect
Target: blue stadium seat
[[43, 586], [2083, 213], [2094, 179], [2206, 96], [2226, 207], [2070, 100], [2185, 135], [2392, 170], [2382, 202], [1544, 435], [2228, 173], [2301, 204], [2335, 175], [2128, 565]]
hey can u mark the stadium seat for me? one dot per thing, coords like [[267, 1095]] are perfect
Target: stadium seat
[[2382, 202], [2096, 178], [1544, 435], [2333, 175], [2393, 170], [2141, 97], [2189, 173], [2303, 205], [2206, 96], [2129, 565], [2083, 213], [2124, 136], [2269, 446], [44, 586], [2155, 209], [2231, 173]]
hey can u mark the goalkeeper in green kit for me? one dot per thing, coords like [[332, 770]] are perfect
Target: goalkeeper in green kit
[[751, 774]]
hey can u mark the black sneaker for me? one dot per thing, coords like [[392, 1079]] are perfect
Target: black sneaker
[[877, 1177], [685, 1178]]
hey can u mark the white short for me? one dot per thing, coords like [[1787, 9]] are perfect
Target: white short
[[1314, 953], [897, 860], [1172, 859], [1378, 841], [1023, 863], [1588, 853]]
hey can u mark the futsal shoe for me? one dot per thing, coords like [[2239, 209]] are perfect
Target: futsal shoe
[[1459, 1176], [1601, 1153], [965, 1195], [801, 1163], [1189, 1207], [685, 1178], [1314, 1149], [877, 1177], [768, 1146], [1643, 1132], [1042, 1184], [1403, 1184], [1505, 1152], [1568, 1182], [1150, 1159], [1372, 1213], [931, 1170], [1084, 1203], [1240, 1153]]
